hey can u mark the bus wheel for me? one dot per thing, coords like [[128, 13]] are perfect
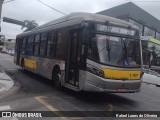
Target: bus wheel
[[57, 82]]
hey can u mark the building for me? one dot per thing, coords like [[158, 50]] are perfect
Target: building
[[149, 25], [2, 39]]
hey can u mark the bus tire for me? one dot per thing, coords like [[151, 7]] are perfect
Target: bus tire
[[56, 80]]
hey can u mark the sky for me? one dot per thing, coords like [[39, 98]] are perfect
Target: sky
[[33, 10]]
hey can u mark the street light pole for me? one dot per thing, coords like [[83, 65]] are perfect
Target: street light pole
[[1, 2]]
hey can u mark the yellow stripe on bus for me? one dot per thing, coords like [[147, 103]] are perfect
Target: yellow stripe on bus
[[30, 63], [122, 74]]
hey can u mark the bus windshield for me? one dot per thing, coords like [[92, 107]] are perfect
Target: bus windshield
[[116, 51]]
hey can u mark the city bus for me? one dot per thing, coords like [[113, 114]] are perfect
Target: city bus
[[151, 54], [84, 52]]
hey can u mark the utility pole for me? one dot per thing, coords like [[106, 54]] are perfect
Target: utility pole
[[1, 2]]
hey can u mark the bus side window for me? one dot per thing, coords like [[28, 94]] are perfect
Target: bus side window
[[43, 44], [51, 45], [30, 44], [61, 44], [36, 45], [24, 45], [27, 46], [23, 42]]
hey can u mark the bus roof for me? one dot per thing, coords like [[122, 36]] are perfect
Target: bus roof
[[79, 17]]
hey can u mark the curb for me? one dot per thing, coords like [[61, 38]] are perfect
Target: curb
[[151, 84]]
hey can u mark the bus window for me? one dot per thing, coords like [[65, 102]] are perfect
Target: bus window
[[30, 44], [43, 44], [93, 51], [117, 51], [36, 45], [24, 46], [61, 41], [51, 45], [24, 41], [30, 40]]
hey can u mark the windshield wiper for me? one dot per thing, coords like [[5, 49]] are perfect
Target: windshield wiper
[[108, 49], [125, 63]]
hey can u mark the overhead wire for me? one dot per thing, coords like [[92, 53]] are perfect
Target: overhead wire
[[8, 1], [43, 4], [51, 7], [143, 0]]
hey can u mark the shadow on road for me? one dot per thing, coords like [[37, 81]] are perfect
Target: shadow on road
[[33, 83]]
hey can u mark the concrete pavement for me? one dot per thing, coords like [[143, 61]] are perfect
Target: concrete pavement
[[151, 79], [6, 82]]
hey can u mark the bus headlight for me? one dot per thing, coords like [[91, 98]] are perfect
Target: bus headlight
[[95, 70]]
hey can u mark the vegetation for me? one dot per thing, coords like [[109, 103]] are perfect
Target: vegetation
[[29, 25]]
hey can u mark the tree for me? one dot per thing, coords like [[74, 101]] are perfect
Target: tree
[[29, 25]]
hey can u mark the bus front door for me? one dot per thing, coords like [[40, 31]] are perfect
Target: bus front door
[[73, 58]]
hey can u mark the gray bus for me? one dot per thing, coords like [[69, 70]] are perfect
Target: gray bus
[[84, 52]]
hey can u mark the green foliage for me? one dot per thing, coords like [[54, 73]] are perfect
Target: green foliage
[[29, 25]]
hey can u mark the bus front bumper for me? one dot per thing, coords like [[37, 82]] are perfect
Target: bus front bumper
[[99, 84]]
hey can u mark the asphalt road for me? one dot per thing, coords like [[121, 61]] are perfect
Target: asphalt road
[[36, 93]]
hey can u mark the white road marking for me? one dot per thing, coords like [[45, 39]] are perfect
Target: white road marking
[[12, 69], [3, 108], [7, 59], [13, 118]]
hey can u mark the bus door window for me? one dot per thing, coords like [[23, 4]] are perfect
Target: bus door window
[[73, 47], [74, 58]]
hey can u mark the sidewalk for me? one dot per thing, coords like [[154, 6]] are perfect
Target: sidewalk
[[152, 79], [6, 82]]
